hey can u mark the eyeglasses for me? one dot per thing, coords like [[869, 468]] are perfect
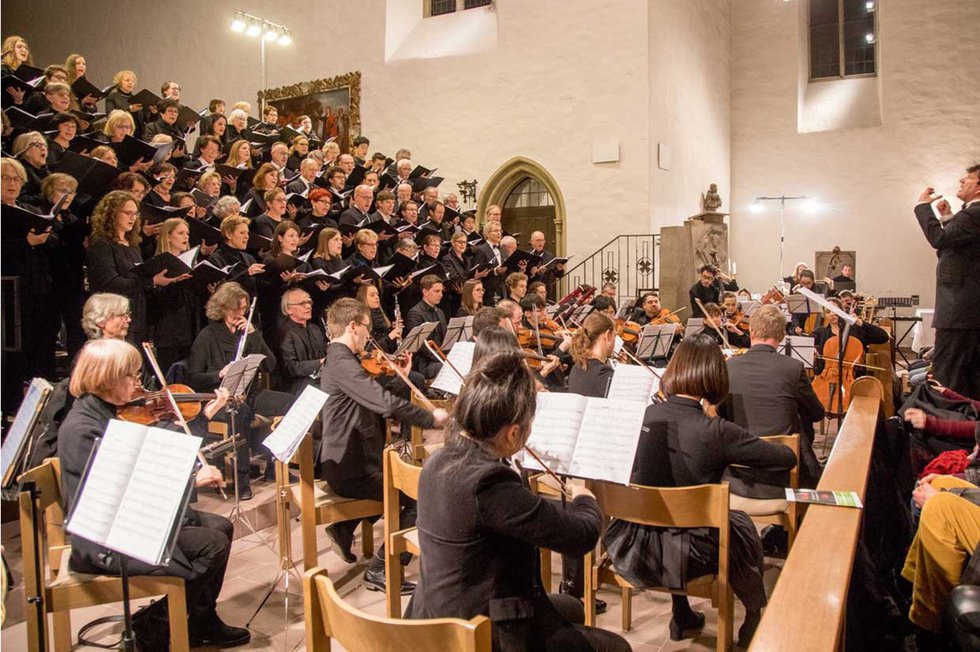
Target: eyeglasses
[[301, 303], [129, 213], [11, 179]]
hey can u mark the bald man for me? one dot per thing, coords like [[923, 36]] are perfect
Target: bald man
[[360, 203], [539, 273]]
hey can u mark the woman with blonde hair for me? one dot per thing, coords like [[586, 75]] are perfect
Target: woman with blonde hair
[[104, 379], [176, 313], [232, 251], [32, 150], [298, 150], [331, 151], [121, 96]]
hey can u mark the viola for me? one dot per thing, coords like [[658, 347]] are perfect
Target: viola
[[833, 385], [150, 407]]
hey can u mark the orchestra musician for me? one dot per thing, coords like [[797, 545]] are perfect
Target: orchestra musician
[[303, 342], [475, 512], [427, 310], [353, 427], [651, 312], [681, 446], [865, 332], [710, 286], [731, 336], [104, 379]]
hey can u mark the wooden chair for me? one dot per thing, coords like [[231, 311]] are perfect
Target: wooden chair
[[46, 555], [418, 446], [400, 477], [327, 616], [545, 486], [776, 511], [320, 506], [681, 507]]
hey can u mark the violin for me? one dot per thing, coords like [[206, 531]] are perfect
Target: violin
[[739, 320], [150, 407], [628, 331], [375, 363]]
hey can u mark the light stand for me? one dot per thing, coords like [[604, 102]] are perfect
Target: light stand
[[782, 199], [266, 30]]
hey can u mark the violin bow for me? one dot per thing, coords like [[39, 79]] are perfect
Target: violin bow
[[423, 399], [554, 476], [435, 350], [148, 349]]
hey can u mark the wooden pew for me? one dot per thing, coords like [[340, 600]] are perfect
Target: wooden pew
[[806, 611]]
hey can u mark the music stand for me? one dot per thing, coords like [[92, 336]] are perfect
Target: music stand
[[238, 377], [19, 442], [800, 347], [694, 326], [455, 332], [800, 304], [655, 341], [749, 307], [580, 313], [416, 338]]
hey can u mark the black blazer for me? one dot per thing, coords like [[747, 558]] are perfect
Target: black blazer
[[710, 294], [592, 381], [354, 415], [479, 527], [957, 244], [300, 352], [110, 269], [680, 446], [769, 394]]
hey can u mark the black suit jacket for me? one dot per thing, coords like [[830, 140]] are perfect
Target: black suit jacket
[[479, 527], [300, 352], [492, 284], [353, 217], [957, 243], [769, 393], [710, 294]]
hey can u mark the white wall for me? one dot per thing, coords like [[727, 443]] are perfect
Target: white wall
[[868, 178], [564, 73]]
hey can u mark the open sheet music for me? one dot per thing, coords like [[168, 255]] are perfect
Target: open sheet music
[[586, 437], [632, 382], [15, 445], [285, 439], [461, 356], [241, 373], [134, 490], [800, 347]]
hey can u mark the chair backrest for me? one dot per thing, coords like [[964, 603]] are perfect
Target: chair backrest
[[793, 442], [703, 505], [401, 475], [328, 616]]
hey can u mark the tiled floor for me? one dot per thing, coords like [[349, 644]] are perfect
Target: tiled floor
[[254, 565]]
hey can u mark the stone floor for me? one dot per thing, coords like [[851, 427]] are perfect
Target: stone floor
[[278, 625]]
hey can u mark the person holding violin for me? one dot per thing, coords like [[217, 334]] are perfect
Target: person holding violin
[[302, 344], [475, 511], [732, 313], [651, 312], [710, 286], [214, 349], [353, 422], [730, 335], [605, 305], [104, 379], [386, 335]]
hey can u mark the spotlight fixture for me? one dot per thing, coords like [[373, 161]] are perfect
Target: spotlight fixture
[[285, 38], [254, 28], [869, 38], [756, 207], [869, 6], [269, 32], [238, 22]]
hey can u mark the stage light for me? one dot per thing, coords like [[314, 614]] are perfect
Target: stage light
[[756, 207], [869, 6], [254, 28], [869, 38], [811, 206], [269, 32], [285, 38], [238, 22]]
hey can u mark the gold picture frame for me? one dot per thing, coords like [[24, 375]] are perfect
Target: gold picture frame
[[334, 106]]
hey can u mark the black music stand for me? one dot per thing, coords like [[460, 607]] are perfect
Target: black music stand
[[655, 341], [800, 347], [238, 377], [416, 338], [456, 332], [23, 435]]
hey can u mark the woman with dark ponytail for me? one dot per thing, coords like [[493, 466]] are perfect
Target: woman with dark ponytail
[[475, 512]]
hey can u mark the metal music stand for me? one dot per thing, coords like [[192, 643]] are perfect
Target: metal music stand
[[237, 379], [416, 338], [456, 331], [655, 341]]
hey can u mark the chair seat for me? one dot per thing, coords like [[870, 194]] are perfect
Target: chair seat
[[323, 495], [702, 587], [759, 506]]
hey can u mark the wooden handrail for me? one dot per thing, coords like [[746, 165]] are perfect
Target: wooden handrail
[[806, 611]]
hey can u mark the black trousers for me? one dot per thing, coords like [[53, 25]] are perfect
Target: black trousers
[[268, 403], [556, 626], [200, 558], [956, 360], [368, 487]]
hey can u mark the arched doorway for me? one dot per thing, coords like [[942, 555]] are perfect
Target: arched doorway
[[530, 200]]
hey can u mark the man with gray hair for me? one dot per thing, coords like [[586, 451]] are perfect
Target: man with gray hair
[[303, 344], [360, 203]]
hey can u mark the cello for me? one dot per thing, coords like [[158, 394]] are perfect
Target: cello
[[833, 385]]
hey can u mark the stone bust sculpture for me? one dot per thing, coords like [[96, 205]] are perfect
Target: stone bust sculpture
[[712, 200]]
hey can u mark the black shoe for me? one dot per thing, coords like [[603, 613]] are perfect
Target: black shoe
[[688, 629], [244, 489], [340, 543], [775, 542], [565, 587], [376, 581], [215, 633]]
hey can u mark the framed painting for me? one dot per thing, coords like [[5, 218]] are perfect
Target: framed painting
[[333, 105]]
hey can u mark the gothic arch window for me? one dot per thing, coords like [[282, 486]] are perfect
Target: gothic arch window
[[528, 193], [440, 7]]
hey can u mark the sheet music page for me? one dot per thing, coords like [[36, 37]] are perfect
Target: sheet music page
[[607, 440], [632, 382], [189, 256], [30, 407], [461, 356], [249, 365], [554, 430], [285, 439], [98, 501], [154, 495]]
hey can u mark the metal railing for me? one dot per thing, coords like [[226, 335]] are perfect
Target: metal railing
[[631, 262]]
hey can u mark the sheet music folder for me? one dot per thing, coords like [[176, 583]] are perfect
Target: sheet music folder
[[134, 491], [586, 437]]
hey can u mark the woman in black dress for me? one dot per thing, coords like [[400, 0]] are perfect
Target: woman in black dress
[[32, 151], [474, 512], [472, 298], [121, 96], [456, 266], [176, 311], [328, 257], [265, 179], [113, 254], [231, 251], [680, 446]]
